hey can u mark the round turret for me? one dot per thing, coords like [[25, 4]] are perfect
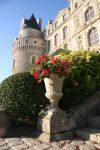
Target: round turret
[[28, 47]]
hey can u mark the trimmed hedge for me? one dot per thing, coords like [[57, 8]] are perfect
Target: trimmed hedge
[[22, 97]]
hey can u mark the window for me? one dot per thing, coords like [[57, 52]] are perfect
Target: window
[[35, 41], [29, 47], [56, 39], [26, 41], [64, 33], [49, 45], [49, 31], [64, 17], [93, 37], [33, 59], [89, 14], [56, 24], [76, 5]]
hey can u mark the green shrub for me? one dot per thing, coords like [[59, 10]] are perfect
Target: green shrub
[[20, 95], [59, 51], [85, 71]]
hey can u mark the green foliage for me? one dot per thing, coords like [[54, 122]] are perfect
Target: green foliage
[[86, 72], [58, 51], [20, 95]]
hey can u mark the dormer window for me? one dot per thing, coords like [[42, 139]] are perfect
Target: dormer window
[[76, 5], [56, 24], [64, 17], [49, 31]]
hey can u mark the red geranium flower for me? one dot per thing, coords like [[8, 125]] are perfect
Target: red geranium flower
[[36, 75], [59, 70], [66, 63], [42, 58], [55, 60], [45, 73], [37, 63], [41, 69]]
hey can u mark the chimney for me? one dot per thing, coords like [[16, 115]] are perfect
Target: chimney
[[49, 21], [39, 22], [22, 22]]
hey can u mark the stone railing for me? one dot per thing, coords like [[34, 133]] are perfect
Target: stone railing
[[81, 112]]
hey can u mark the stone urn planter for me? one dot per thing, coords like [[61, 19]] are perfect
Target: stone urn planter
[[54, 93], [53, 123]]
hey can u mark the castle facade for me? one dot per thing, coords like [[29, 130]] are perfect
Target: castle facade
[[76, 27]]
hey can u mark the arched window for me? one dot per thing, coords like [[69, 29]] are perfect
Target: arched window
[[89, 14], [93, 37], [56, 39], [64, 17], [33, 59], [76, 5], [64, 33]]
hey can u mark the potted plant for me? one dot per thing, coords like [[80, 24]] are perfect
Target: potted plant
[[52, 70]]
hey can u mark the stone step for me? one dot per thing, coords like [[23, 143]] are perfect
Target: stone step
[[93, 121], [91, 134]]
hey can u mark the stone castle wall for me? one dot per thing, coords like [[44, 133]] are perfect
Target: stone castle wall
[[78, 28], [27, 49]]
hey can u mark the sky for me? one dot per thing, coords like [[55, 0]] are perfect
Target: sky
[[11, 13]]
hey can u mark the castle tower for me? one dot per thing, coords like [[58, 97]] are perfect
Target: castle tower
[[29, 46]]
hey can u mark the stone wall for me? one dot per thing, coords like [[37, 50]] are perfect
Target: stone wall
[[27, 49], [88, 108], [77, 27]]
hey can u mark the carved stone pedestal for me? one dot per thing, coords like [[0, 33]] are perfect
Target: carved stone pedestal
[[45, 137], [54, 126]]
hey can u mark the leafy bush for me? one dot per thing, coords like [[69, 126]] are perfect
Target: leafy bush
[[20, 95], [59, 51], [85, 78]]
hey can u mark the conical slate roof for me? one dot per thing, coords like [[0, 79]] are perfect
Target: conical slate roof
[[31, 23]]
